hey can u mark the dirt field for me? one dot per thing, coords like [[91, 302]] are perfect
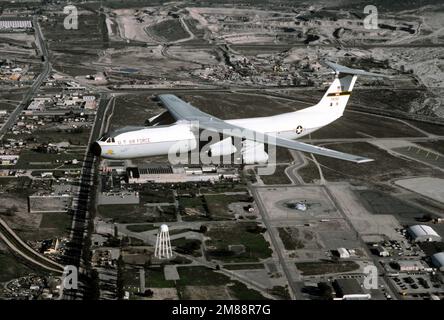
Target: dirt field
[[384, 168]]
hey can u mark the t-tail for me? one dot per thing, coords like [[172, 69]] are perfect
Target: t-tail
[[337, 95]]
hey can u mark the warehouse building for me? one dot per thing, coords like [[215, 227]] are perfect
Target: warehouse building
[[349, 289], [423, 233], [409, 265], [438, 260]]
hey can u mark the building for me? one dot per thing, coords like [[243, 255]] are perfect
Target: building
[[438, 260], [381, 251], [343, 253], [176, 174], [349, 289], [409, 265], [8, 159], [423, 233], [121, 197], [9, 24]]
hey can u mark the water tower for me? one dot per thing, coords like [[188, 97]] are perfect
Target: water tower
[[163, 243]]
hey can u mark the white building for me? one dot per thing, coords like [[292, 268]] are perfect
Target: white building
[[423, 233], [438, 260], [343, 253]]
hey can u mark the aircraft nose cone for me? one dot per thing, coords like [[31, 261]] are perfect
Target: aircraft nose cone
[[95, 149]]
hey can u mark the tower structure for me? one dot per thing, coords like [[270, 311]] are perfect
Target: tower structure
[[163, 243]]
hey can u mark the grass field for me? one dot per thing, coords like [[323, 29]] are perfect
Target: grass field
[[56, 220], [188, 246], [128, 213], [337, 170], [141, 227], [244, 266], [309, 173], [30, 159], [278, 177], [12, 268], [133, 110], [352, 125], [289, 237], [122, 213], [155, 278], [218, 204], [256, 247]]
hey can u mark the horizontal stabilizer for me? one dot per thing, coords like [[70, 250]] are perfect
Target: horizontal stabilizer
[[346, 70]]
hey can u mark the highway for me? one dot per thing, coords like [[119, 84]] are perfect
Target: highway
[[41, 44], [81, 218], [22, 249]]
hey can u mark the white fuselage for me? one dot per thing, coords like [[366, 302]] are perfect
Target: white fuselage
[[183, 135], [161, 140]]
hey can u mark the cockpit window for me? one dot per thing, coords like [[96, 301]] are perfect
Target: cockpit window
[[107, 137]]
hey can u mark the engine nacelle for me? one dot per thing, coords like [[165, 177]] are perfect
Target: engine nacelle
[[253, 152], [222, 148]]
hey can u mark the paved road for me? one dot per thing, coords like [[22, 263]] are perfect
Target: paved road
[[18, 246], [295, 286], [81, 216], [37, 83]]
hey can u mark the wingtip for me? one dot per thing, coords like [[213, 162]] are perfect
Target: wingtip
[[364, 160]]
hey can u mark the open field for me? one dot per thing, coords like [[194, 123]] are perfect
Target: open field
[[359, 125], [382, 203], [11, 267], [385, 166], [326, 267], [244, 266], [168, 30], [427, 186], [133, 110], [210, 284], [30, 159], [137, 213], [309, 173], [141, 227], [245, 234], [278, 177], [289, 237], [155, 278], [218, 204]]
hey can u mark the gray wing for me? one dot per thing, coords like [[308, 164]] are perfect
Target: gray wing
[[225, 128], [181, 110]]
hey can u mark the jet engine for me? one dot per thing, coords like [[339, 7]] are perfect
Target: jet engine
[[222, 148], [253, 152]]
